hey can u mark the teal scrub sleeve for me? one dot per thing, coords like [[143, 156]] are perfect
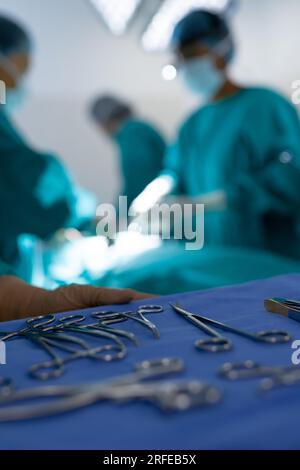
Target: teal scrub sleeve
[[267, 172], [142, 151], [21, 208], [56, 184], [20, 171], [173, 164]]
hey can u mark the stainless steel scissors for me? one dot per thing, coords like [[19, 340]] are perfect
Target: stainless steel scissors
[[273, 376], [138, 385], [138, 316], [217, 342]]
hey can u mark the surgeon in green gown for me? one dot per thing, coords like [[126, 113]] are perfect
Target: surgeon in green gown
[[239, 154], [241, 146], [37, 195], [141, 146]]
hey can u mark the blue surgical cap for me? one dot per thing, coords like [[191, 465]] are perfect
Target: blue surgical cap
[[13, 38], [107, 108], [201, 26]]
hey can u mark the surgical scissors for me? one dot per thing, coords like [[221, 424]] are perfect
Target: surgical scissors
[[217, 342], [273, 376], [138, 316], [168, 396]]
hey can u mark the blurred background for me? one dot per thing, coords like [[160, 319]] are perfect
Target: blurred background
[[77, 57]]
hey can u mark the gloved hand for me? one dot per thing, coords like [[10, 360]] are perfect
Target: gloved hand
[[20, 300]]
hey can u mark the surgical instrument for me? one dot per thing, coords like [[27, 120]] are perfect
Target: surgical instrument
[[42, 321], [145, 383], [72, 323], [273, 376], [138, 316], [55, 368], [287, 308], [219, 343], [75, 322], [50, 336]]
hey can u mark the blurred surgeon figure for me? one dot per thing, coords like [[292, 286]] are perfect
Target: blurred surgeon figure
[[141, 146], [37, 195], [239, 152]]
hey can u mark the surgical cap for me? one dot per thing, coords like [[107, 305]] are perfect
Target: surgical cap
[[204, 26], [13, 38], [108, 108]]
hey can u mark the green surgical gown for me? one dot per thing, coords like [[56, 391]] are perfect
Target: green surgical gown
[[171, 269], [37, 196], [247, 145], [142, 151]]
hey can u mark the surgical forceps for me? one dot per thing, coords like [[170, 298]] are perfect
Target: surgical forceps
[[49, 336], [74, 323], [217, 342], [283, 376], [41, 322], [287, 308], [169, 396], [55, 368], [138, 316]]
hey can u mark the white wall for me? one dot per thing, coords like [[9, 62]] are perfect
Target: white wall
[[75, 58]]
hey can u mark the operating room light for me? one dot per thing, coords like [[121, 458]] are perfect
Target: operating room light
[[116, 13], [169, 72], [159, 32]]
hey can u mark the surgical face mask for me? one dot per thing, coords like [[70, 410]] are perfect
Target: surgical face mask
[[16, 98], [201, 74], [202, 77]]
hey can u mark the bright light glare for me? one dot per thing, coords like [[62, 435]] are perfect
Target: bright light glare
[[155, 191], [169, 73], [160, 30], [116, 13]]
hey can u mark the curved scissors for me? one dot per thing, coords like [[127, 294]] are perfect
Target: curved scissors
[[219, 343], [138, 316]]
